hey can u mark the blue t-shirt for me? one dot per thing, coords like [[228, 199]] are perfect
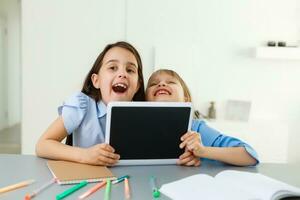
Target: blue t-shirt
[[86, 120], [213, 138]]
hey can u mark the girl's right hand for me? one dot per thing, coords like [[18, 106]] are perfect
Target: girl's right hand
[[100, 154]]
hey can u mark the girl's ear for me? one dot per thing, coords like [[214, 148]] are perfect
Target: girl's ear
[[95, 80]]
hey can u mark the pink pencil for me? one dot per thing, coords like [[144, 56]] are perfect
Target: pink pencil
[[92, 190], [126, 188]]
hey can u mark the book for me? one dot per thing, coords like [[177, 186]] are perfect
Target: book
[[231, 185], [70, 172]]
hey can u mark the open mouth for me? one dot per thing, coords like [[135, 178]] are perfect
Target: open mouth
[[119, 87], [162, 92]]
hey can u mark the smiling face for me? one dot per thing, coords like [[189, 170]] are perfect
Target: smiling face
[[164, 87], [117, 78]]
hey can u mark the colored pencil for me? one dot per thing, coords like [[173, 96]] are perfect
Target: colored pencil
[[16, 186], [92, 190], [107, 190], [126, 188], [40, 189]]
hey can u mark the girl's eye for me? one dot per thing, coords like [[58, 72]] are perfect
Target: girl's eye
[[113, 68], [130, 70], [152, 84], [171, 82]]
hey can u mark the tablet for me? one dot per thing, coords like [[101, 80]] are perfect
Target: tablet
[[147, 133]]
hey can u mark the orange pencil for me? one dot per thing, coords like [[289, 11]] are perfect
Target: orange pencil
[[92, 190], [16, 186], [126, 188]]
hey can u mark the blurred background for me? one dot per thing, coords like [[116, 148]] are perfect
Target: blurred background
[[218, 47]]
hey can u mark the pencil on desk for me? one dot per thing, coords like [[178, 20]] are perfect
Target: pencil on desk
[[71, 190], [92, 190], [16, 186], [126, 188], [107, 190], [43, 187]]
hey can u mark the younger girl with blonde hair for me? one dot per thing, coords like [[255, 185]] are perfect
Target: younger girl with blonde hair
[[202, 141]]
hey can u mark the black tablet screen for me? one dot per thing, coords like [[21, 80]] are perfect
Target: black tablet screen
[[148, 132]]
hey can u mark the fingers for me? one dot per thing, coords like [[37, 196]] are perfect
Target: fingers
[[107, 147], [193, 145], [189, 139], [185, 158], [195, 163], [186, 135], [108, 154], [108, 157], [186, 154], [106, 161], [188, 159], [105, 155]]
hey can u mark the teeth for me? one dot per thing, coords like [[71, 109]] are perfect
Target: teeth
[[120, 85], [159, 92], [162, 92]]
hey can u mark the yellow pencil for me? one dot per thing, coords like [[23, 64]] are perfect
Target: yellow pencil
[[16, 186]]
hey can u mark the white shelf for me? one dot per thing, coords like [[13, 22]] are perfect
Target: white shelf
[[288, 53]]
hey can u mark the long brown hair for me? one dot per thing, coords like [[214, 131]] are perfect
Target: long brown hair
[[89, 89]]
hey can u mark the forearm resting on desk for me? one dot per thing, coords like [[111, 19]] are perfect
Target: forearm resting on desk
[[50, 146], [55, 150], [230, 155], [100, 154]]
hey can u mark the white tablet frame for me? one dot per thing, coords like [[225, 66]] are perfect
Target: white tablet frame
[[144, 104]]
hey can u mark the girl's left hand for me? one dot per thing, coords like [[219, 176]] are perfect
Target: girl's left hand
[[192, 142], [188, 159]]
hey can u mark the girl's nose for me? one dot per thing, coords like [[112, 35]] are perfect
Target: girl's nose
[[122, 75], [161, 84]]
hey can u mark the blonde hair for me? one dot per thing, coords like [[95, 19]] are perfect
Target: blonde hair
[[172, 73]]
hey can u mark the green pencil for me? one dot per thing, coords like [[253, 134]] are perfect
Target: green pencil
[[107, 189], [71, 190]]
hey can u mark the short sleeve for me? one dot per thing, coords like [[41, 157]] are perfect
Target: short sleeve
[[73, 111]]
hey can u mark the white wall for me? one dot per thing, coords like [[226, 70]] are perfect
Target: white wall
[[10, 10], [60, 42], [3, 74], [212, 41]]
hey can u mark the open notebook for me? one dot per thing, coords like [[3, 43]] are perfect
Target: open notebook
[[71, 172], [231, 185]]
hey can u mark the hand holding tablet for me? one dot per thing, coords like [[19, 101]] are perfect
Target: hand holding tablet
[[147, 133]]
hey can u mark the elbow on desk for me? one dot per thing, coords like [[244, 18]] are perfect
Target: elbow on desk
[[39, 148], [250, 162], [249, 159]]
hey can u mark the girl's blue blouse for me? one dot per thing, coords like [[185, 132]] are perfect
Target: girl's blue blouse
[[86, 120]]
